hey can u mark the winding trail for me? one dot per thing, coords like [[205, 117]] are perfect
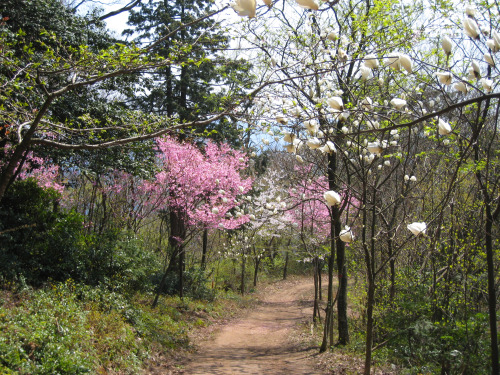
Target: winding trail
[[262, 341]]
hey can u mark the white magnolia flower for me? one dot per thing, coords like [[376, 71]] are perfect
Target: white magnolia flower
[[387, 163], [444, 77], [398, 103], [489, 59], [407, 178], [332, 198], [336, 103], [487, 84], [474, 71], [406, 62], [346, 235], [417, 228], [266, 142], [311, 126], [493, 45], [372, 124], [447, 45], [328, 148], [298, 143], [289, 137], [299, 158], [245, 8], [332, 35], [470, 10], [393, 61], [470, 28], [371, 61], [282, 120], [366, 73], [367, 103], [308, 4], [496, 38], [443, 127], [313, 143], [413, 179], [215, 210], [460, 86]]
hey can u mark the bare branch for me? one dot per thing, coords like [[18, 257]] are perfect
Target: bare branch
[[119, 142]]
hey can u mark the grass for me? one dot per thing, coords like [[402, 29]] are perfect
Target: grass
[[66, 328]]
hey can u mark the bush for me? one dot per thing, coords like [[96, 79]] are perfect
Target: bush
[[37, 239]]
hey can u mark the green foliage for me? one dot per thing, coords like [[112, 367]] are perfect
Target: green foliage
[[423, 339], [38, 240], [119, 260], [69, 328], [195, 282]]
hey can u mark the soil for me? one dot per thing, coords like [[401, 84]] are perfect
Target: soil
[[264, 340]]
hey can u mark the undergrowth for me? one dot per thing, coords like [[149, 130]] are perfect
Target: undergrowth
[[67, 328]]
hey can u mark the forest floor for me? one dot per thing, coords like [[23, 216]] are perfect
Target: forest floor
[[263, 340], [273, 336]]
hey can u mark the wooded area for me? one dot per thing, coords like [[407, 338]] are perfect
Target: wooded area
[[167, 170]]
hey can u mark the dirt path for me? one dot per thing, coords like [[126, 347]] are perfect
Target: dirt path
[[261, 341]]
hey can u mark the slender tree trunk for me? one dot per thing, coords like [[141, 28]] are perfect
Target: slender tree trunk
[[256, 270], [285, 269], [243, 264], [181, 271], [369, 325], [328, 329], [392, 265], [316, 310], [492, 299], [343, 327], [204, 249], [320, 284]]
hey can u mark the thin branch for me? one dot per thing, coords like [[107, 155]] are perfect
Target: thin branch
[[118, 11]]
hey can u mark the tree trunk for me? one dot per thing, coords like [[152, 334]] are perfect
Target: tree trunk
[[204, 249], [492, 299], [369, 325], [343, 327], [316, 310], [256, 270], [320, 284], [285, 269], [181, 271], [328, 329], [243, 263]]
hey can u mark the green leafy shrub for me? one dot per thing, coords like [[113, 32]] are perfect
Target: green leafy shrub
[[37, 239]]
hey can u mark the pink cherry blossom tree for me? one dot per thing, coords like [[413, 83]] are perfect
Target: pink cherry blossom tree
[[202, 188]]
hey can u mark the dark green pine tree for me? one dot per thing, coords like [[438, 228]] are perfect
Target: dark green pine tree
[[205, 82]]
